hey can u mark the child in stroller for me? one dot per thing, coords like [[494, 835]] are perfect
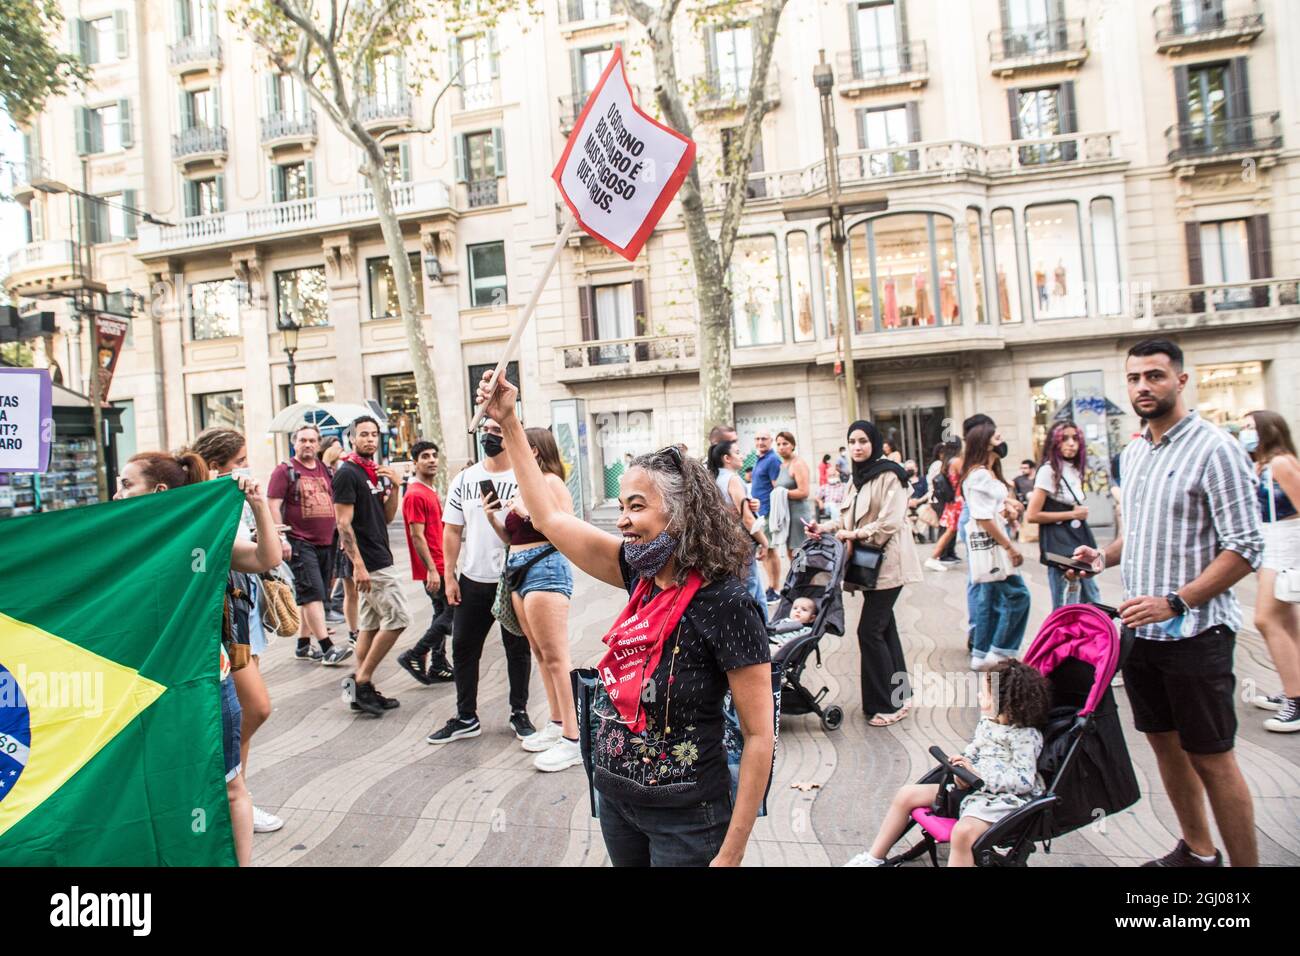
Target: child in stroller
[[813, 582], [997, 773], [803, 615]]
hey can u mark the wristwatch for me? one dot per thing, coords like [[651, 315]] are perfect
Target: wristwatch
[[1176, 604]]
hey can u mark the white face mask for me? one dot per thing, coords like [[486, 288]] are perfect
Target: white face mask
[[1249, 439], [241, 473]]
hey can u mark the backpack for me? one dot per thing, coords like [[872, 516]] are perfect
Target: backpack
[[944, 493], [292, 490]]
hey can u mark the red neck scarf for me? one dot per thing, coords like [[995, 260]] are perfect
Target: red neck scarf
[[365, 464], [636, 644]]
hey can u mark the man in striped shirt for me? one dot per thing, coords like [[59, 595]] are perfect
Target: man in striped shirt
[[1191, 533]]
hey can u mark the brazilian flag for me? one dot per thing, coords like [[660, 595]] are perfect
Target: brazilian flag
[[110, 720]]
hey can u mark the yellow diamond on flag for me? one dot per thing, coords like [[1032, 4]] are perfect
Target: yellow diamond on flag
[[60, 704]]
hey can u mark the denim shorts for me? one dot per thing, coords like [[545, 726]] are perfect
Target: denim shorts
[[551, 573], [230, 715]]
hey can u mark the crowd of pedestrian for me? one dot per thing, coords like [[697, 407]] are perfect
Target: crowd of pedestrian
[[701, 552]]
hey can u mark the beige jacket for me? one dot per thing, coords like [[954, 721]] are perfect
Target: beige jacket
[[878, 515]]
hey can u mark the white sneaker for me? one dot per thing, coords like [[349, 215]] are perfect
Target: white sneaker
[[1264, 702], [264, 822], [562, 755], [864, 859], [1287, 720], [935, 565], [544, 739]]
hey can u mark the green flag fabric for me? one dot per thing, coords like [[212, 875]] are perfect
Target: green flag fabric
[[110, 721]]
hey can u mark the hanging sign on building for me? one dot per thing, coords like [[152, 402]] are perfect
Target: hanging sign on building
[[26, 419], [621, 167], [110, 333]]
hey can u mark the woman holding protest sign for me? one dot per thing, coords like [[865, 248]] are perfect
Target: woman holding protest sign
[[689, 633]]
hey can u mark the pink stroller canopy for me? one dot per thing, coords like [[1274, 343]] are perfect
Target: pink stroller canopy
[[1080, 632]]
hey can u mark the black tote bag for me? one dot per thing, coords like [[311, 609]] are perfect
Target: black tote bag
[[1063, 537]]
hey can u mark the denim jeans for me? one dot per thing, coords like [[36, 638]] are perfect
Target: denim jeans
[[1001, 613], [1056, 580], [663, 836], [755, 585]]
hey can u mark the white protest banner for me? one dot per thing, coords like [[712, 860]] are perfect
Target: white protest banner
[[619, 171], [26, 419], [621, 167]]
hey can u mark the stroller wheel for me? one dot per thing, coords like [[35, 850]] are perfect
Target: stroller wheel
[[832, 718]]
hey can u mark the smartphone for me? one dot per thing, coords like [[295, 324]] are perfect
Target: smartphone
[[486, 489], [1061, 561]]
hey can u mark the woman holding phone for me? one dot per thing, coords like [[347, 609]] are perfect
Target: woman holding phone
[[1059, 480], [874, 514], [688, 635]]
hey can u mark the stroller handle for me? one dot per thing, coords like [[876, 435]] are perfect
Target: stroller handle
[[961, 773]]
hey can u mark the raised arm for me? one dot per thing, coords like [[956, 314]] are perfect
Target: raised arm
[[265, 554], [591, 549]]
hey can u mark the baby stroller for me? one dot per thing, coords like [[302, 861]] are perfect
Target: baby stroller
[[1085, 764], [816, 572]]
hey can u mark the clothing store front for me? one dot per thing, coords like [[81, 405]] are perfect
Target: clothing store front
[[1227, 393], [903, 272], [1055, 248], [912, 419]]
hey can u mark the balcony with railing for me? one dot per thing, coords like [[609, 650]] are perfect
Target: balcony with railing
[[582, 15], [1225, 140], [47, 268], [384, 110], [903, 65], [200, 144], [293, 218], [483, 192], [725, 90], [1038, 46], [24, 173], [1207, 25], [284, 128], [194, 54], [480, 96], [620, 358], [1258, 300], [924, 162]]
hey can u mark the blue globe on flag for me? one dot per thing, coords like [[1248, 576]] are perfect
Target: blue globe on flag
[[15, 732]]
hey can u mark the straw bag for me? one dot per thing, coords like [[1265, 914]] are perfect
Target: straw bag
[[279, 606]]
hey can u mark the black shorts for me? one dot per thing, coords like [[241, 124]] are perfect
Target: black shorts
[[312, 566], [1185, 686]]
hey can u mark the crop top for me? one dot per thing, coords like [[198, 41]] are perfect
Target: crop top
[[521, 530]]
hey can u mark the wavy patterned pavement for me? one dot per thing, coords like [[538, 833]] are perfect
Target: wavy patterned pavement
[[360, 791]]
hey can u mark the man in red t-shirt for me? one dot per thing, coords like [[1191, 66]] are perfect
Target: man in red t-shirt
[[422, 518], [301, 494]]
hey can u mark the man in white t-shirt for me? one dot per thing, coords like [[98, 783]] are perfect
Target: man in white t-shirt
[[473, 556]]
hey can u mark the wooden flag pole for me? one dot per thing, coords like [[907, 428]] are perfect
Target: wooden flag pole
[[513, 345]]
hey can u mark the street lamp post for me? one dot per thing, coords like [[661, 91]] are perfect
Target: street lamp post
[[824, 80], [289, 342]]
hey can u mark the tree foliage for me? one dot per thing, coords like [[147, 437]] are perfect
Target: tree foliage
[[31, 68]]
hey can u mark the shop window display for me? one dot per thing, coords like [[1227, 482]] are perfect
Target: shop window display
[[398, 396], [916, 270], [801, 290], [1006, 266], [1105, 250], [1055, 249], [974, 228], [1227, 393], [756, 292]]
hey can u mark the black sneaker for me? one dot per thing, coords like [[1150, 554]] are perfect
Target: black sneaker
[[772, 597], [307, 653], [388, 703], [439, 670], [367, 700], [522, 726], [352, 638], [455, 729], [336, 655], [1287, 720], [413, 664], [1182, 856]]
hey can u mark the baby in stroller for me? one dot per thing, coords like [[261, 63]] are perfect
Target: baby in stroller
[[1001, 762], [803, 614]]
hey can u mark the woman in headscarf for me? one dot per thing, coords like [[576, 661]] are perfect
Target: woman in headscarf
[[874, 512]]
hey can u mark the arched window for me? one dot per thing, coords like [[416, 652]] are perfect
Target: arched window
[[1054, 243], [799, 268], [974, 235], [1006, 267]]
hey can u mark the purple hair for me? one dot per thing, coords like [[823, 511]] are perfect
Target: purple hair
[[1052, 452]]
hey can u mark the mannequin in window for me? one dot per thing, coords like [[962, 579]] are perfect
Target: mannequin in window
[[753, 312], [947, 294], [923, 315], [1004, 296], [891, 302], [805, 319], [1058, 277], [1040, 283]]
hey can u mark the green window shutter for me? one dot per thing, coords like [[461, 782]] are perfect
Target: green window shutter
[[575, 70], [1068, 114], [1013, 103], [215, 94], [457, 58], [83, 38], [186, 111], [711, 53], [130, 198], [404, 160], [96, 132], [277, 184], [462, 161], [860, 116], [184, 27], [124, 123], [498, 152], [191, 193], [82, 130], [221, 192], [494, 55], [98, 221], [120, 34], [272, 93], [1239, 91], [309, 174], [913, 122]]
